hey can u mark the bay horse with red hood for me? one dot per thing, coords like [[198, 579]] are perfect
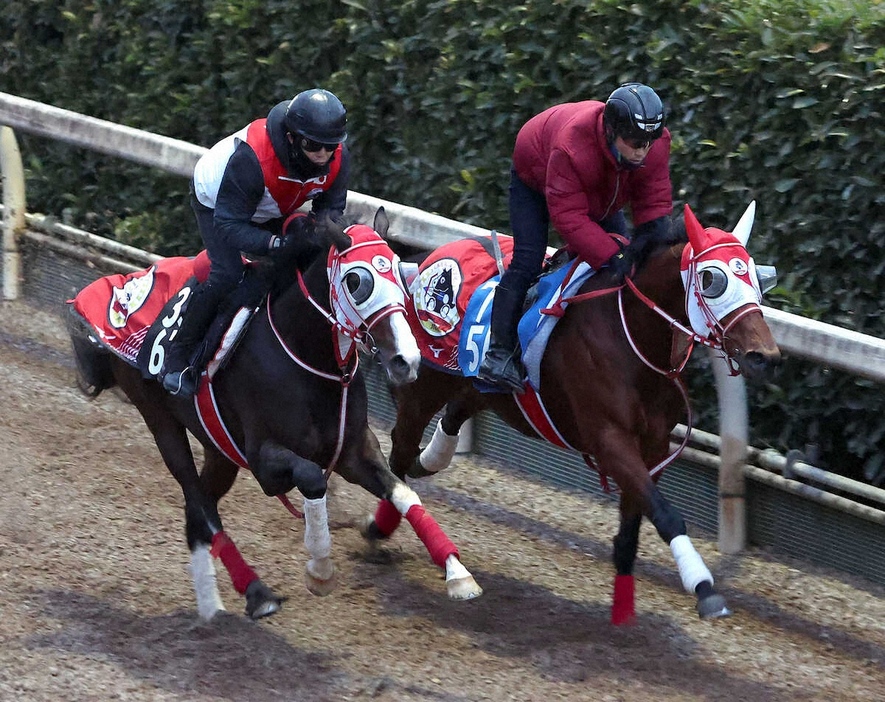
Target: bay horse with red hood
[[289, 403], [608, 385]]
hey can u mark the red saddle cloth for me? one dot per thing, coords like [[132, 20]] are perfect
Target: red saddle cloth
[[445, 282], [121, 308]]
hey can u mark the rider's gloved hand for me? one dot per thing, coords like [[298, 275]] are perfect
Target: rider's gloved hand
[[621, 264]]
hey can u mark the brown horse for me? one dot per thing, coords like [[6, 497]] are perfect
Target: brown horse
[[610, 383], [293, 405]]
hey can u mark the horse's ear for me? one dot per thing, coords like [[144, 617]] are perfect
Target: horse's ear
[[334, 231], [382, 223], [697, 237], [742, 229]]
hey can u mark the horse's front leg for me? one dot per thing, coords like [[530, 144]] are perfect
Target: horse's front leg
[[399, 500], [696, 577], [416, 404], [277, 471], [640, 496], [626, 545]]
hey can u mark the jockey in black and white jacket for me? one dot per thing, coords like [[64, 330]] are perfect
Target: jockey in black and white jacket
[[242, 191]]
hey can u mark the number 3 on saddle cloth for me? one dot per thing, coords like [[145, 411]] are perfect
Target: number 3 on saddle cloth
[[137, 315], [450, 316]]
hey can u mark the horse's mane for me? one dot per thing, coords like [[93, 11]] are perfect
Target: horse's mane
[[643, 247], [310, 244]]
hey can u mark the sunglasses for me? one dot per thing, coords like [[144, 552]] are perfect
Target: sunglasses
[[312, 146], [638, 143]]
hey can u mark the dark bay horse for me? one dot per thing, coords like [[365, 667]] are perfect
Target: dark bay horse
[[293, 405], [610, 382]]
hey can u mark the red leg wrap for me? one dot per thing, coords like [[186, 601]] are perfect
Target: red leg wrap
[[623, 609], [240, 573], [432, 536], [387, 517]]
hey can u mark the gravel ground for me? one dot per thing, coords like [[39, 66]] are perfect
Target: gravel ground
[[97, 602]]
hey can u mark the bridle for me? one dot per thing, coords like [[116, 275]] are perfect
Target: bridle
[[715, 339], [350, 326]]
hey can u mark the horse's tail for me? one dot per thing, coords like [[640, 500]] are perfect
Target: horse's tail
[[94, 372]]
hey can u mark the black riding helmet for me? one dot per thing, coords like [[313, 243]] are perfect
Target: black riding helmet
[[633, 111], [317, 115]]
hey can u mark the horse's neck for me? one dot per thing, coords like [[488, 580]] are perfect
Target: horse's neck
[[660, 280], [302, 327]]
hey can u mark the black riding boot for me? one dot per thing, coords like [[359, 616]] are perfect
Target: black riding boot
[[180, 374], [501, 366]]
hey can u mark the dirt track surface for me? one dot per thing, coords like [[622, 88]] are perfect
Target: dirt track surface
[[96, 600]]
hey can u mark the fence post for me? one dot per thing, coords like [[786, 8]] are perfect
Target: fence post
[[733, 434], [13, 176]]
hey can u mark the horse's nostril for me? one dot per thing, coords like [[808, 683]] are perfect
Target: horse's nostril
[[400, 370], [756, 364]]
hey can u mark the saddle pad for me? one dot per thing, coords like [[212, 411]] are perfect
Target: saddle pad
[[452, 306], [441, 291], [536, 324], [121, 308]]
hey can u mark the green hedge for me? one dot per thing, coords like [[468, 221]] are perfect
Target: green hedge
[[775, 100]]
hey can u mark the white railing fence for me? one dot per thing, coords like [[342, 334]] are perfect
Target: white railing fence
[[825, 344]]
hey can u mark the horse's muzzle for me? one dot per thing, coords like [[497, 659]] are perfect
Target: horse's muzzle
[[757, 365], [402, 370]]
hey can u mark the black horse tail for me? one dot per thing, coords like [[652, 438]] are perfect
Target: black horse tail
[[94, 372]]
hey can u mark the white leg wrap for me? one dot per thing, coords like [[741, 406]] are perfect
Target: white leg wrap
[[439, 452], [205, 585], [691, 566], [317, 539], [404, 497]]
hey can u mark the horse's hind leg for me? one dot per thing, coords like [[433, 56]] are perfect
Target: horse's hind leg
[[217, 478], [372, 474]]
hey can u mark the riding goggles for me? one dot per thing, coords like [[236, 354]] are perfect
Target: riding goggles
[[312, 146]]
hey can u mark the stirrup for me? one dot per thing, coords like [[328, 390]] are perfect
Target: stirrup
[[505, 375], [180, 383]]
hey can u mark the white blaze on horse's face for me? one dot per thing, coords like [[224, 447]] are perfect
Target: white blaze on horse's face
[[719, 274], [365, 287]]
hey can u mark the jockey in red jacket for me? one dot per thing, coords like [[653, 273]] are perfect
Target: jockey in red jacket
[[243, 189], [576, 166]]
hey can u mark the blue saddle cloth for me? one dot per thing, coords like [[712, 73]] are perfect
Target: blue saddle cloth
[[534, 326]]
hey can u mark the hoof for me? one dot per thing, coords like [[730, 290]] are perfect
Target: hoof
[[416, 470], [713, 607], [261, 601], [463, 588], [320, 577], [369, 530]]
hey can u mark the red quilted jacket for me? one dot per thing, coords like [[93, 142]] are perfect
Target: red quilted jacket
[[562, 152]]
